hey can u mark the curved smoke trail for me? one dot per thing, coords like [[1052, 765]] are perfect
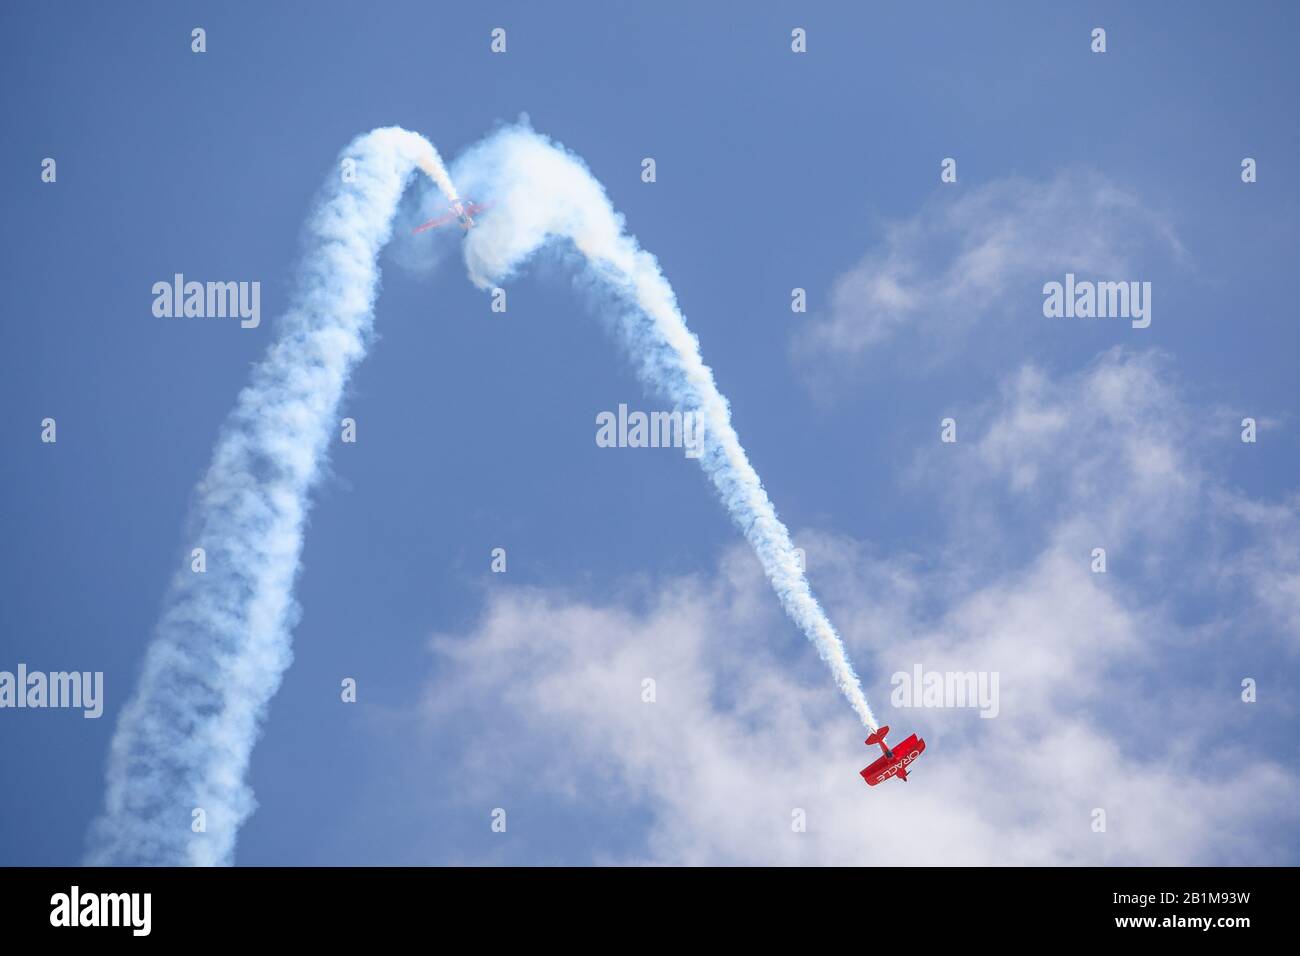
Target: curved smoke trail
[[183, 741], [541, 192]]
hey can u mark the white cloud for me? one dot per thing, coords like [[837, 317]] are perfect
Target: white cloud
[[1109, 456], [979, 255], [1268, 569], [736, 741], [1098, 708]]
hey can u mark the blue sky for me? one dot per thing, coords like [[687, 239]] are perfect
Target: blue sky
[[775, 170]]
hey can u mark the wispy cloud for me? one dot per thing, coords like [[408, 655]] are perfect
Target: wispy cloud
[[977, 257]]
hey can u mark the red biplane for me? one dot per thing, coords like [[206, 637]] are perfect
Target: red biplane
[[894, 763], [458, 210]]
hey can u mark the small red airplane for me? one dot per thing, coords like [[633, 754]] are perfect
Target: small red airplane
[[458, 210], [894, 762]]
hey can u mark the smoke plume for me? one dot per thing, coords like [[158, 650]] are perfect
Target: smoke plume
[[182, 744]]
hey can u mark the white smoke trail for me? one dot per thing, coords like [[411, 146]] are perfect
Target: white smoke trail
[[540, 192], [431, 163], [184, 739]]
